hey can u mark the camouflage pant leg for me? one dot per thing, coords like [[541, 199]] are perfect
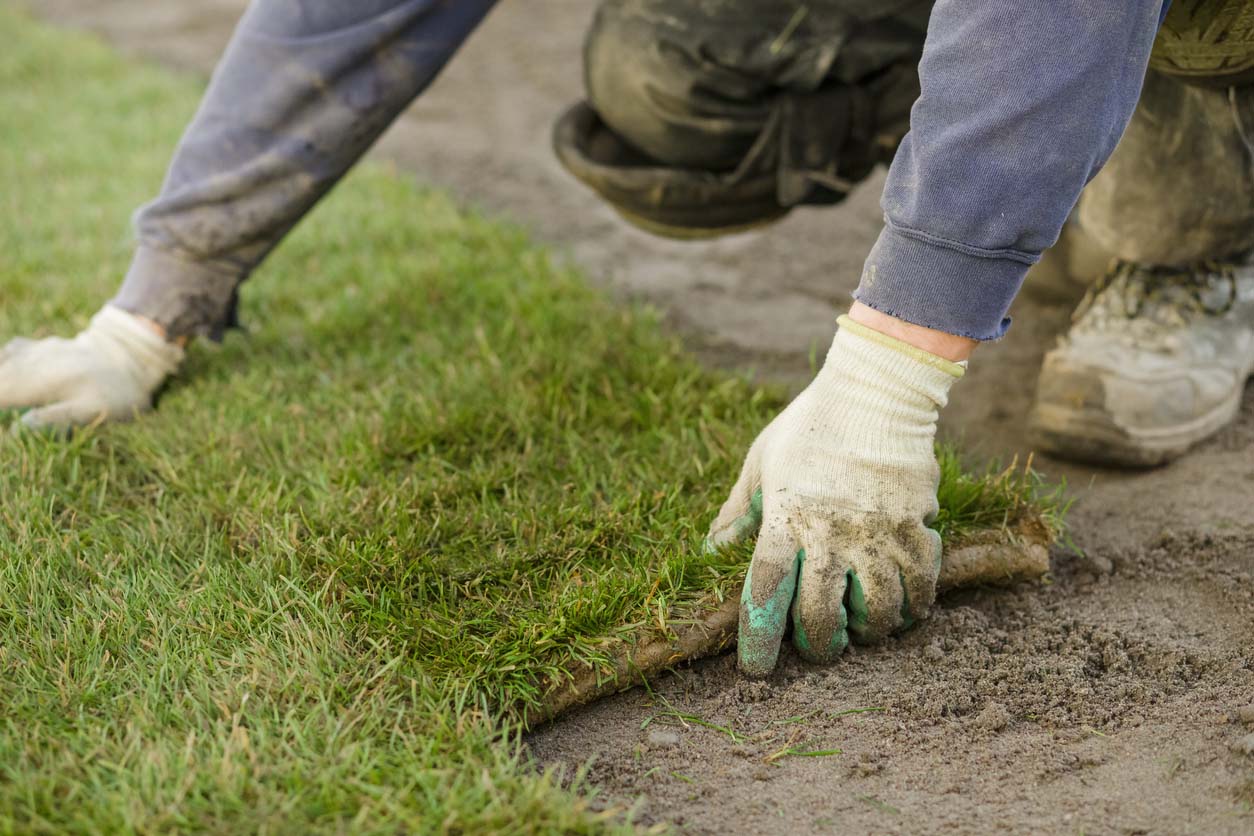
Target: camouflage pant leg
[[303, 89], [818, 91], [1179, 187]]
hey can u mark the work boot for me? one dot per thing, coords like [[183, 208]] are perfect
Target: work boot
[[1156, 360]]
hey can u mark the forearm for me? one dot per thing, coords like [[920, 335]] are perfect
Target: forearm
[[1021, 105], [303, 89]]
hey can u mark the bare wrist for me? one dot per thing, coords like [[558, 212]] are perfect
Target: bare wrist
[[942, 344], [160, 331]]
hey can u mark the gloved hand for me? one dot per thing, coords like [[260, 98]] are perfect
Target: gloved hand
[[840, 489], [109, 371]]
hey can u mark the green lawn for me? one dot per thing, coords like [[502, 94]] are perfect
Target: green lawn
[[307, 594]]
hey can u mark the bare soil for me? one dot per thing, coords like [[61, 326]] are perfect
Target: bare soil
[[1116, 698]]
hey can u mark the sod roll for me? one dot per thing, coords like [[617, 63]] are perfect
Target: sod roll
[[1000, 557]]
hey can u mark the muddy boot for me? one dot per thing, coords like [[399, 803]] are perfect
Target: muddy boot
[[1156, 361]]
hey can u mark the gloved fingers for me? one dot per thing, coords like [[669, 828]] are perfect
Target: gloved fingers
[[23, 380], [736, 528], [764, 602], [20, 393], [14, 347], [741, 515], [919, 570], [67, 414], [876, 596], [820, 621]]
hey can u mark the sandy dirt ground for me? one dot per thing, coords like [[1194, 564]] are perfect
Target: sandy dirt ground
[[1116, 698]]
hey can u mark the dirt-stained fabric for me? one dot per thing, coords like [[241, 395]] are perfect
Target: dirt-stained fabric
[[306, 86], [816, 93], [811, 96], [303, 89], [1179, 187]]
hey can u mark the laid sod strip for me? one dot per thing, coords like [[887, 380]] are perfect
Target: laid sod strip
[[316, 590]]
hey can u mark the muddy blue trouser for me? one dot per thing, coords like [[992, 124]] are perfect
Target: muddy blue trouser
[[304, 88], [1021, 104]]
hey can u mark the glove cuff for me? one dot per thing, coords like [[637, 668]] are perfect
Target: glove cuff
[[152, 357], [886, 364], [955, 370]]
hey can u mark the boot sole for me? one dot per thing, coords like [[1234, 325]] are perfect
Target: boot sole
[[1088, 435], [694, 233]]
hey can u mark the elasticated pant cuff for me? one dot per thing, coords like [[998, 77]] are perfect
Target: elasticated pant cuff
[[950, 287]]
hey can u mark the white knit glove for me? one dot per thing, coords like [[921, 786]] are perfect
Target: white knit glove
[[840, 489], [108, 372]]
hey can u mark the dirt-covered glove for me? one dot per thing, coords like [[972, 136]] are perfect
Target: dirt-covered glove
[[108, 372], [840, 489]]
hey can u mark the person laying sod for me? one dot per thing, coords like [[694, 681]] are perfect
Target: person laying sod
[[715, 116]]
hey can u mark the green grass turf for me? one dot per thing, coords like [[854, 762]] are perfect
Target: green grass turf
[[299, 597]]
